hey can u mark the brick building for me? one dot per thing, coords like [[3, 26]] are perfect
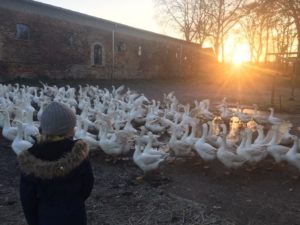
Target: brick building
[[40, 40]]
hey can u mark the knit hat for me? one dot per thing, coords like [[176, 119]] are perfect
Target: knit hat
[[57, 119]]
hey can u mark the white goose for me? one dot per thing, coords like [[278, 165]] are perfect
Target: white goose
[[179, 147], [41, 109], [257, 116], [277, 151], [186, 132], [146, 162], [229, 158], [89, 138], [155, 126], [204, 109], [213, 132], [19, 144], [233, 136], [128, 126], [115, 145], [272, 119], [8, 131], [225, 113], [241, 115], [31, 130], [154, 151], [206, 151], [2, 119], [138, 115], [191, 139], [293, 156], [261, 136], [253, 153], [286, 138], [144, 138]]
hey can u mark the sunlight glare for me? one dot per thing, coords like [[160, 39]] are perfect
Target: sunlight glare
[[240, 54], [236, 50]]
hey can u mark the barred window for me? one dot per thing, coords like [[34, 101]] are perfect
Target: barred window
[[97, 54], [23, 32], [121, 47]]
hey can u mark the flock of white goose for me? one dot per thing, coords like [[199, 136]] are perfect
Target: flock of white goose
[[122, 120]]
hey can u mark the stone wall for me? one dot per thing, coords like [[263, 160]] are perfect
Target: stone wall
[[61, 49]]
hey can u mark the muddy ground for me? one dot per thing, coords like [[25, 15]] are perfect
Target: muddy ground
[[183, 192]]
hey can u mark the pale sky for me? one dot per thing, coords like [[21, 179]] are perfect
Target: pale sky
[[136, 13]]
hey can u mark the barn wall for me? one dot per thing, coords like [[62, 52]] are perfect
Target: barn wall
[[61, 47]]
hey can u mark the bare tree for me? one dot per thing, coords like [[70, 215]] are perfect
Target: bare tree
[[226, 14], [283, 30], [179, 15], [203, 20], [267, 22], [255, 27], [292, 7], [289, 9]]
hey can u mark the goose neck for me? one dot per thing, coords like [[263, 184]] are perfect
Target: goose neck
[[243, 142], [248, 138], [271, 112], [193, 132], [6, 121], [274, 137], [204, 131], [20, 131], [138, 149], [103, 130], [294, 148], [223, 141]]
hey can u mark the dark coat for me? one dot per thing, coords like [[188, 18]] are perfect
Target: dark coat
[[56, 180]]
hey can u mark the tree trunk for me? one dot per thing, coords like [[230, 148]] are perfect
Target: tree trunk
[[267, 43], [296, 15], [217, 47]]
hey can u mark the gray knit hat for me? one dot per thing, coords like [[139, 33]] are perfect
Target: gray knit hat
[[57, 119]]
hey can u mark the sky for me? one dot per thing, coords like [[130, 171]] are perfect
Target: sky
[[136, 13]]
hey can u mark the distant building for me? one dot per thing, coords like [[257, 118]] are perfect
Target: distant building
[[39, 40]]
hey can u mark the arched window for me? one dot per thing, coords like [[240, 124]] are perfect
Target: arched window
[[97, 54]]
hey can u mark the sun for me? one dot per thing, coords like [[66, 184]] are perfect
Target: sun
[[237, 60], [240, 54], [236, 51]]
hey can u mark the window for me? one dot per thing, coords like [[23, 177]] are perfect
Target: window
[[140, 51], [71, 39], [97, 54], [23, 32], [121, 47]]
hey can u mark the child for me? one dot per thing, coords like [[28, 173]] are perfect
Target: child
[[56, 176]]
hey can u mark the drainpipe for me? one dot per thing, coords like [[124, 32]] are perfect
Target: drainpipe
[[113, 51], [180, 61]]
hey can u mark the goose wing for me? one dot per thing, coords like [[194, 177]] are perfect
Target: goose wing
[[149, 158], [123, 137]]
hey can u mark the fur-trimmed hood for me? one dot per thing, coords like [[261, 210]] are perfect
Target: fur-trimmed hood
[[31, 165]]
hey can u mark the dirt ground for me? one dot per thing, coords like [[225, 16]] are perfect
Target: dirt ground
[[183, 192]]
